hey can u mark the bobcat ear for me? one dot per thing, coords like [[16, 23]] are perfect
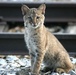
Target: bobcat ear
[[24, 9], [42, 7]]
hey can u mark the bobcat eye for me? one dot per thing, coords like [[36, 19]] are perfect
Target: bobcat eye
[[38, 17]]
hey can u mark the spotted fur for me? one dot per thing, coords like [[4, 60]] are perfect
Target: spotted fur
[[43, 46]]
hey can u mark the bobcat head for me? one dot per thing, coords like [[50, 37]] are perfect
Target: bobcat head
[[33, 17]]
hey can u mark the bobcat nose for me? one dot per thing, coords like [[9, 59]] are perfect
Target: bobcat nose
[[34, 23]]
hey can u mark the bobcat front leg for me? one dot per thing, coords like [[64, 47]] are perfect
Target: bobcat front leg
[[32, 61], [37, 63]]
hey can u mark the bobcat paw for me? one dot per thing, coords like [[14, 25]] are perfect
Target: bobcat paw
[[60, 70]]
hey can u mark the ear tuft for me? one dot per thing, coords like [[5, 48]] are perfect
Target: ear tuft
[[24, 9], [42, 7]]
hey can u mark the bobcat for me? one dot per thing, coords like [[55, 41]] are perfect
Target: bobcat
[[43, 46]]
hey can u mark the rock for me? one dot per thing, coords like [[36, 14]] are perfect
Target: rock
[[20, 62], [2, 70], [3, 62], [54, 73], [14, 73], [14, 65], [73, 60], [60, 74], [42, 66], [47, 73], [71, 29], [26, 61], [11, 58], [24, 71], [65, 74], [56, 29], [72, 72]]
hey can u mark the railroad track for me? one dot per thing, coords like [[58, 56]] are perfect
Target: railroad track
[[14, 43]]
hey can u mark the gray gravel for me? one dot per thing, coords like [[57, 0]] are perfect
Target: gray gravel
[[20, 65]]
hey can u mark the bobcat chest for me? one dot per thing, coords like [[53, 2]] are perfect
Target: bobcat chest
[[31, 40]]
